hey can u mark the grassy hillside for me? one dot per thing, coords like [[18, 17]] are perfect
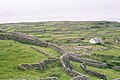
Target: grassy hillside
[[73, 36], [14, 53]]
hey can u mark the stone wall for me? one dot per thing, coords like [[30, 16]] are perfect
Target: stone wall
[[116, 68], [23, 38], [75, 58], [107, 56], [99, 65], [37, 66], [87, 62], [49, 78], [93, 73], [57, 48], [116, 79], [79, 78], [67, 68], [41, 51]]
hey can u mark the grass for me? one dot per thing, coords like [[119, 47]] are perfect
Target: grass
[[114, 52], [50, 51], [76, 66], [43, 36], [111, 74], [14, 53]]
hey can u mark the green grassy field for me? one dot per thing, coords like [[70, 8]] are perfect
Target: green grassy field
[[14, 53], [115, 52], [111, 74], [59, 32], [76, 66]]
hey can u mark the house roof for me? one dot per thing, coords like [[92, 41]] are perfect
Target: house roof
[[95, 40]]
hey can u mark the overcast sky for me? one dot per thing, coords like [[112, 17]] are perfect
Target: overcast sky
[[57, 10]]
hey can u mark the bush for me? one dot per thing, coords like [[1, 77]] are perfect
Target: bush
[[82, 38], [107, 42], [95, 27]]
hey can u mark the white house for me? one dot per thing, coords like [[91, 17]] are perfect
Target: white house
[[95, 41], [118, 40]]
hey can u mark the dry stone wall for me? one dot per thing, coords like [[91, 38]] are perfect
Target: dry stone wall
[[116, 68], [116, 79], [41, 51], [79, 78], [37, 66], [57, 48], [69, 70], [23, 38], [49, 78], [87, 62], [107, 56], [94, 73]]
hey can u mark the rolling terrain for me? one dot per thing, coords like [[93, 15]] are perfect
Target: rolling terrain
[[73, 37]]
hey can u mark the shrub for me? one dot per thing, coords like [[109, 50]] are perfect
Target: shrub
[[107, 42], [95, 27]]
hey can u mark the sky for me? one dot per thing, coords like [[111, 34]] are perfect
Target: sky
[[59, 10]]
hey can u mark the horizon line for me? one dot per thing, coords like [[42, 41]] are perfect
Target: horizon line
[[13, 22]]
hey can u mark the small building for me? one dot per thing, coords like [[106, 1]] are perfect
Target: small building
[[118, 41], [95, 41]]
